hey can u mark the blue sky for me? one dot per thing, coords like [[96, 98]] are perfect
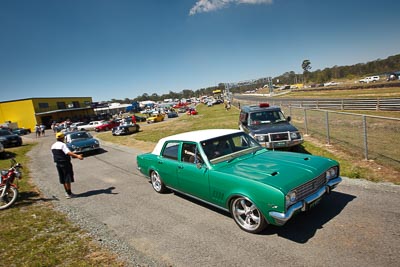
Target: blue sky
[[124, 48]]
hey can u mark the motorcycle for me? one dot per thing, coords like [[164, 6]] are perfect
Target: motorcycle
[[9, 190]]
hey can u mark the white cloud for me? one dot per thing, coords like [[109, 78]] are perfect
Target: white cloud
[[212, 5]]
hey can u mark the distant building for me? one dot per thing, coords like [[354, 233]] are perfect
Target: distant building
[[31, 111]]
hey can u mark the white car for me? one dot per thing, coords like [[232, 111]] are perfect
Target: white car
[[331, 84], [370, 79], [90, 126]]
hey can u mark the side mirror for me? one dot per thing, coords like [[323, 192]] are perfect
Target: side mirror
[[289, 118]]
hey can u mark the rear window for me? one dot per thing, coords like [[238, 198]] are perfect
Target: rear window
[[171, 150]]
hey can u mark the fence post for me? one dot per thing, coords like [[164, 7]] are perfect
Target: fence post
[[305, 121], [364, 118], [328, 137]]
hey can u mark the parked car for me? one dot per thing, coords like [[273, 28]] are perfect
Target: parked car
[[126, 129], [230, 170], [1, 150], [191, 111], [331, 84], [21, 131], [8, 139], [155, 118], [75, 125], [81, 142], [106, 125], [172, 114], [370, 79], [269, 126], [90, 126], [139, 118]]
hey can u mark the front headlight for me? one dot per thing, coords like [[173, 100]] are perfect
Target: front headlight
[[294, 135], [290, 198], [331, 173], [260, 138]]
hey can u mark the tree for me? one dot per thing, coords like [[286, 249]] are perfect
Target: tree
[[306, 66]]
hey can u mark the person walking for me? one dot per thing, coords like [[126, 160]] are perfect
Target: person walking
[[62, 157], [37, 130], [42, 129]]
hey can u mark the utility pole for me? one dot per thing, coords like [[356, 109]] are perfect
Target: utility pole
[[270, 85]]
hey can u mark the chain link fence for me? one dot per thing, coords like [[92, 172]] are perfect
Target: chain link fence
[[363, 136]]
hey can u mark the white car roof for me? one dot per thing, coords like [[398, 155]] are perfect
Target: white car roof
[[194, 136]]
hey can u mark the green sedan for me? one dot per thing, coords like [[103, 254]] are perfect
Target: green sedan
[[228, 169]]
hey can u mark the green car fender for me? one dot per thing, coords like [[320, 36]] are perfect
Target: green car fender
[[266, 198]]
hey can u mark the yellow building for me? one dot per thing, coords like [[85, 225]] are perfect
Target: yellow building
[[31, 111]]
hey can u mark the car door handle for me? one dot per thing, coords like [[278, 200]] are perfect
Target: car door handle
[[180, 167], [160, 162]]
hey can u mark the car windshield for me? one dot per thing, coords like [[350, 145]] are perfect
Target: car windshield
[[79, 135], [265, 117], [226, 148]]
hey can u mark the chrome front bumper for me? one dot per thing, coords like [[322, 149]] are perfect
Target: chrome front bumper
[[282, 218], [283, 144]]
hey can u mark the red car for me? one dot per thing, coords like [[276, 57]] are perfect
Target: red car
[[107, 125], [191, 111]]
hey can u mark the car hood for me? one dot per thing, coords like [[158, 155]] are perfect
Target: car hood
[[282, 170], [9, 136], [272, 128], [82, 142]]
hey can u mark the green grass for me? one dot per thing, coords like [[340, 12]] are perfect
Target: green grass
[[217, 117], [34, 234]]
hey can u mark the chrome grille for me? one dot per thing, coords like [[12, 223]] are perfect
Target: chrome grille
[[279, 136], [310, 187]]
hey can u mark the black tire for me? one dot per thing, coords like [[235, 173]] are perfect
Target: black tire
[[9, 197], [247, 216], [157, 183]]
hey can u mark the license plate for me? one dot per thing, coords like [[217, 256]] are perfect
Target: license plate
[[313, 204]]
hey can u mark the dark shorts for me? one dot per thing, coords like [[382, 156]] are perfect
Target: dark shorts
[[65, 172]]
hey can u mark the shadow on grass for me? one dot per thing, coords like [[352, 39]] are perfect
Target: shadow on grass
[[27, 198], [8, 155]]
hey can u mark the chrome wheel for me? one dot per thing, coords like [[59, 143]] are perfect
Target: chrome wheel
[[247, 215], [156, 182]]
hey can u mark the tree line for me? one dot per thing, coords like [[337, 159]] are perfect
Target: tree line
[[376, 67]]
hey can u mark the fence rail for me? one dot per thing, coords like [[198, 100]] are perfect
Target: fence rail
[[383, 104], [365, 136]]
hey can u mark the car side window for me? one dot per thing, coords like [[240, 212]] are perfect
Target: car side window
[[190, 153], [171, 150]]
